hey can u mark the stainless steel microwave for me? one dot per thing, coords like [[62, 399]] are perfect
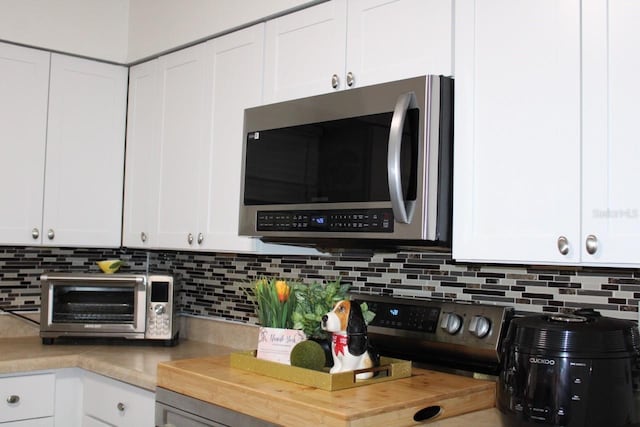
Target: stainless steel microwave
[[131, 306], [367, 163]]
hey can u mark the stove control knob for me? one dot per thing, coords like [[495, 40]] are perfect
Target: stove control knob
[[480, 326], [451, 323]]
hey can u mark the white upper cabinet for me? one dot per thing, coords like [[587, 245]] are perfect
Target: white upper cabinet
[[182, 128], [24, 86], [610, 148], [517, 130], [65, 116], [235, 64], [545, 139], [393, 40], [85, 153], [184, 146], [350, 43], [143, 156]]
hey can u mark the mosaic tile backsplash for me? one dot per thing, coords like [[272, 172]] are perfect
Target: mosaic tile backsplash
[[213, 284]]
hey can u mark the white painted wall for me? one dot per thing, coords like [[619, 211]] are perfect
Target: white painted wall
[[159, 25], [93, 28], [126, 31]]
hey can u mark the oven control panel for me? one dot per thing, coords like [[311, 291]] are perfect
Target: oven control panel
[[331, 220], [443, 330]]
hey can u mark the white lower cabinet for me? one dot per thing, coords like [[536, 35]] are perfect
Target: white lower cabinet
[[110, 402], [72, 398], [27, 400]]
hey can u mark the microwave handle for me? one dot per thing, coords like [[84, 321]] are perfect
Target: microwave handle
[[402, 209]]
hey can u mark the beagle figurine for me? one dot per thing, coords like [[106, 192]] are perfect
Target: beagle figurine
[[349, 345]]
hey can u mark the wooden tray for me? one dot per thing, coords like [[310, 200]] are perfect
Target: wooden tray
[[389, 369]]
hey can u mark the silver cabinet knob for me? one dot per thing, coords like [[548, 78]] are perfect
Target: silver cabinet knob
[[13, 399], [35, 233], [190, 238], [591, 244], [335, 81], [51, 234], [121, 407], [351, 79], [200, 238], [563, 245], [143, 237]]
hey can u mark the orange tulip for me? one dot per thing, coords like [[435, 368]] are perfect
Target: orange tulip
[[283, 290]]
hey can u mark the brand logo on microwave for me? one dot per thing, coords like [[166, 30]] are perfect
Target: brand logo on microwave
[[92, 326], [254, 135], [541, 361]]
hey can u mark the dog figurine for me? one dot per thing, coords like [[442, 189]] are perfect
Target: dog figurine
[[349, 345]]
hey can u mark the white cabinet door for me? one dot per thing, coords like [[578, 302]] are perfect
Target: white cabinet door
[[24, 87], [303, 50], [85, 153], [26, 397], [235, 63], [610, 175], [116, 403], [142, 156], [182, 136], [517, 127], [394, 40]]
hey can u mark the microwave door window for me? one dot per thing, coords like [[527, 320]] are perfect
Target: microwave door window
[[330, 162], [79, 304]]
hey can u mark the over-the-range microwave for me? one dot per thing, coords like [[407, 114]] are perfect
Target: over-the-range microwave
[[368, 164]]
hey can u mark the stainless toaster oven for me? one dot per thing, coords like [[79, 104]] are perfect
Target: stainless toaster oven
[[131, 306]]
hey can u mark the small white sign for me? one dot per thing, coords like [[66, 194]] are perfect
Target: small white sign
[[275, 344]]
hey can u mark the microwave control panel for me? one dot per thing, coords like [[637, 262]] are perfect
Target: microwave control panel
[[343, 220]]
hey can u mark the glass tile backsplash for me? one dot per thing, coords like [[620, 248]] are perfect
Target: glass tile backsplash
[[213, 284]]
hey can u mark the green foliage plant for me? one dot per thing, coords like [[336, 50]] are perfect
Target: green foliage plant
[[314, 301]]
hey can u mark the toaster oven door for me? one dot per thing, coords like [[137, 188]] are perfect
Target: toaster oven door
[[93, 306]]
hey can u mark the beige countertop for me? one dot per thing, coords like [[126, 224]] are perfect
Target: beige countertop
[[135, 364]]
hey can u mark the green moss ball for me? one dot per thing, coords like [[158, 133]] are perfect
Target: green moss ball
[[308, 354]]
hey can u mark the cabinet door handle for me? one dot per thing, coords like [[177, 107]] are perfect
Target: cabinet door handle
[[143, 237], [563, 245], [121, 407], [591, 244], [51, 234], [200, 238], [35, 233], [335, 81], [13, 399], [351, 79], [190, 238]]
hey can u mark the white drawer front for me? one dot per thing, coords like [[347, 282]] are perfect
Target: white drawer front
[[26, 396], [117, 403]]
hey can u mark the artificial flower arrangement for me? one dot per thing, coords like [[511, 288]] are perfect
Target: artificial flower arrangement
[[274, 303], [290, 312]]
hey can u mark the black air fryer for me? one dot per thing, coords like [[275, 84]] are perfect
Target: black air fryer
[[575, 370]]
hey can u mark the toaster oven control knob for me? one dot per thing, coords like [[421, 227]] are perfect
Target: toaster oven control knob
[[159, 309], [480, 326], [451, 323]]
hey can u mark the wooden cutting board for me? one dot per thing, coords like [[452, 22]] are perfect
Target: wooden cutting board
[[393, 403]]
